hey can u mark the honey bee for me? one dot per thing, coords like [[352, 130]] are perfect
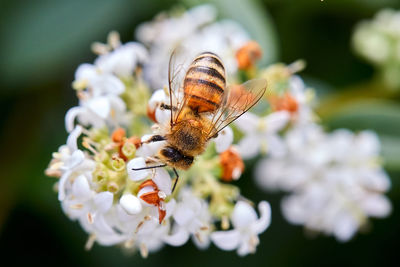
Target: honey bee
[[200, 107]]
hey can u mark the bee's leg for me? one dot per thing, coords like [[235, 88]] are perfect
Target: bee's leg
[[168, 107], [154, 138], [176, 179], [149, 167]]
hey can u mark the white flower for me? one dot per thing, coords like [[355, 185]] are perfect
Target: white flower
[[193, 32], [133, 166], [244, 236], [335, 180], [131, 204], [100, 103], [124, 60], [70, 161], [261, 134], [224, 139], [192, 217], [161, 115]]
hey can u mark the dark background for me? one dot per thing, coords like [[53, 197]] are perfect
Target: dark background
[[42, 43]]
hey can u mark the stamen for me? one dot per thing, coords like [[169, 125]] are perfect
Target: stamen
[[53, 173], [204, 228], [90, 218], [225, 223], [99, 48], [144, 252], [113, 39], [139, 226], [76, 206], [297, 66], [90, 242], [129, 243], [86, 144], [198, 236]]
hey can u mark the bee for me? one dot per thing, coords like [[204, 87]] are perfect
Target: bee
[[200, 107]]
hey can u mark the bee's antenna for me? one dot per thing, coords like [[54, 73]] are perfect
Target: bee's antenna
[[149, 167]]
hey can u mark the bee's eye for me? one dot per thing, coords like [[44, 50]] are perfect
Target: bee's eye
[[171, 153]]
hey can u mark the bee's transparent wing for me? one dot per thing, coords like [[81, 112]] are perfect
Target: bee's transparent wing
[[178, 65], [236, 101]]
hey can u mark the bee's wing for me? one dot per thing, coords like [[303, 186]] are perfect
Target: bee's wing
[[176, 73], [236, 101]]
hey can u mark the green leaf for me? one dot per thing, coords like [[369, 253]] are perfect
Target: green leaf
[[391, 152]]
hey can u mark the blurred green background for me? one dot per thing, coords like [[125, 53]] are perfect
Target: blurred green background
[[42, 43]]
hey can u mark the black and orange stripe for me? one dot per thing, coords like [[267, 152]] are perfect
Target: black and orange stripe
[[204, 83]]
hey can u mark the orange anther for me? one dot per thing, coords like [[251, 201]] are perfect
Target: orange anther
[[248, 55], [118, 135], [151, 198], [232, 164], [148, 183], [286, 102]]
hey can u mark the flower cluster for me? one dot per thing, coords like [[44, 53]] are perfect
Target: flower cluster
[[335, 180], [378, 41], [112, 181], [110, 178]]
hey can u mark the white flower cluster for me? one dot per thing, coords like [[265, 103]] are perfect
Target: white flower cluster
[[335, 180], [104, 183], [378, 41], [194, 31]]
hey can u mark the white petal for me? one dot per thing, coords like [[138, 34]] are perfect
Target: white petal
[[103, 201], [163, 116], [345, 227], [137, 163], [178, 238], [223, 140], [275, 146], [72, 113], [107, 84], [265, 218], [102, 226], [75, 159], [248, 122], [100, 106], [183, 215], [61, 185], [243, 215], [150, 149], [85, 72], [130, 204], [276, 121], [72, 141], [158, 97], [377, 205], [249, 146], [81, 188], [163, 181], [226, 240]]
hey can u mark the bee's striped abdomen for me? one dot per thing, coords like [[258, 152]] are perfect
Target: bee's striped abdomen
[[204, 83]]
